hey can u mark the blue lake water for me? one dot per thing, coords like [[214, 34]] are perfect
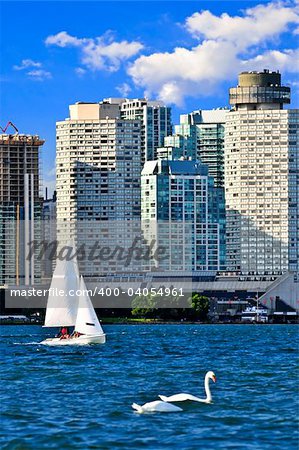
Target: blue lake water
[[80, 398]]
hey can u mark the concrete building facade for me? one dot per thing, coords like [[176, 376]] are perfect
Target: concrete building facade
[[261, 177], [20, 208], [98, 167]]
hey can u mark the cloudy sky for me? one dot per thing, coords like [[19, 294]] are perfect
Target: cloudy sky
[[185, 53]]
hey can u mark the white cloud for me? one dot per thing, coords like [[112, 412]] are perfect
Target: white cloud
[[39, 75], [26, 64], [80, 72], [185, 72], [63, 39], [36, 72], [98, 56], [100, 53], [285, 61], [260, 23], [124, 89], [222, 53], [172, 92]]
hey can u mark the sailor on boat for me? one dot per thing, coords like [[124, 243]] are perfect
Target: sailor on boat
[[75, 335], [69, 311], [63, 332]]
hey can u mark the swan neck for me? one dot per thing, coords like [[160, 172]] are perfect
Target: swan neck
[[207, 389]]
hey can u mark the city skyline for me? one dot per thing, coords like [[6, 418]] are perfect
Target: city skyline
[[67, 59]]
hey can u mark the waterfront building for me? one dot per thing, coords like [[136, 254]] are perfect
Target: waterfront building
[[205, 129], [200, 137], [49, 233], [98, 167], [210, 126], [178, 147], [261, 177], [20, 208], [218, 216], [177, 212], [155, 118]]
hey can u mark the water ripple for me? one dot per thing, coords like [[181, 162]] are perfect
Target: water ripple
[[74, 398]]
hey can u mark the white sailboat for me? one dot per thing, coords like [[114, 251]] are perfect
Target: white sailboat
[[70, 310]]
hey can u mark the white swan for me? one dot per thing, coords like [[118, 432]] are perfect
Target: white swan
[[183, 397], [157, 406]]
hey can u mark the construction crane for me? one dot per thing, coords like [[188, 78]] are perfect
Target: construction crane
[[7, 125]]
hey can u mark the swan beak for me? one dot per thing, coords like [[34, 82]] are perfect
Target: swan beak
[[214, 378]]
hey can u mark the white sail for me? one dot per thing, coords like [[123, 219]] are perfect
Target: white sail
[[87, 321], [62, 309]]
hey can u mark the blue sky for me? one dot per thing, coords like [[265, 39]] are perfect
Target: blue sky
[[186, 53]]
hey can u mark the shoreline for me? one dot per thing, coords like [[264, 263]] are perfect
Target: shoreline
[[157, 322]]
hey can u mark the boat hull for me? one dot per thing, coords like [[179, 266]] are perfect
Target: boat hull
[[81, 340]]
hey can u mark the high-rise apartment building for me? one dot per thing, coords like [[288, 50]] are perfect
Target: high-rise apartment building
[[20, 208], [154, 117], [155, 120], [177, 212], [98, 166], [261, 177], [200, 137], [205, 128], [178, 146]]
